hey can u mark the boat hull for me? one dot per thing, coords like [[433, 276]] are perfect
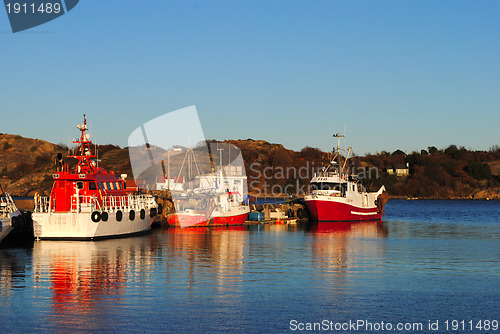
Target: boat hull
[[326, 210], [235, 216], [69, 225], [5, 228]]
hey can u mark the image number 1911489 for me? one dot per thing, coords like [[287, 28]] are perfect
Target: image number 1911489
[[26, 14]]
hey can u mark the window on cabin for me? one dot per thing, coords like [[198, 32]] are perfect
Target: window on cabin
[[108, 186], [79, 185], [331, 186], [92, 186], [326, 186]]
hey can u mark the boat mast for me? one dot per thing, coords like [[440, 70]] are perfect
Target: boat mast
[[338, 136], [83, 151], [220, 166]]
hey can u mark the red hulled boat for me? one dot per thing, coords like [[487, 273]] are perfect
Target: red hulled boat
[[337, 196]]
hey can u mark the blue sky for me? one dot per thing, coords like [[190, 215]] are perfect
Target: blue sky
[[395, 74]]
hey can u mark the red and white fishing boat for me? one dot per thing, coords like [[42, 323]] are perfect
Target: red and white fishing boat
[[217, 201], [227, 209], [337, 196], [90, 202]]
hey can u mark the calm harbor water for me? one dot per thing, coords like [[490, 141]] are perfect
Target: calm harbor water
[[426, 261]]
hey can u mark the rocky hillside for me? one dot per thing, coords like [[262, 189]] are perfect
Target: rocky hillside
[[26, 166]]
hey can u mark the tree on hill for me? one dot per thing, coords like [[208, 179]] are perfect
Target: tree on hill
[[432, 149], [479, 171], [311, 153], [398, 152], [280, 157]]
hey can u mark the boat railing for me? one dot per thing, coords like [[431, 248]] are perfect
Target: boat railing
[[113, 203], [42, 203], [137, 202], [81, 203], [7, 206], [116, 203]]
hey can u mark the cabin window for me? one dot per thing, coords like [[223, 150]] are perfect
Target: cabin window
[[92, 186], [331, 186], [101, 185], [79, 185], [326, 186], [108, 186]]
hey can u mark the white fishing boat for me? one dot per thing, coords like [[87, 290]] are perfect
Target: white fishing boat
[[90, 202], [8, 212]]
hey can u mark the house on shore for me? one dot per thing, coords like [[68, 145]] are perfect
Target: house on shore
[[400, 170]]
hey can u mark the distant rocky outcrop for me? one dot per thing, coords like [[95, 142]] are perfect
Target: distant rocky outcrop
[[486, 194]]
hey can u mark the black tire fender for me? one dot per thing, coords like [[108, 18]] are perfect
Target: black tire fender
[[152, 212], [119, 216], [96, 216], [104, 216], [142, 214], [131, 215]]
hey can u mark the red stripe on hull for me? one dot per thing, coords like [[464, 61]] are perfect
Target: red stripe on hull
[[196, 221], [335, 211], [231, 220]]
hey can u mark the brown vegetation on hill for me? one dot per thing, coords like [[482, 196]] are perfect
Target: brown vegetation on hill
[[274, 170], [26, 166], [440, 173]]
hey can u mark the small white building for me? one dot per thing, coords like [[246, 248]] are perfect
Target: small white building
[[399, 170], [175, 183]]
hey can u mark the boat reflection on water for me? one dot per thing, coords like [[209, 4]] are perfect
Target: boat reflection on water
[[213, 254], [83, 277], [374, 228], [342, 247]]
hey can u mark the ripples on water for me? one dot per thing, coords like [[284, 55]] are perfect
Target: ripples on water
[[427, 260]]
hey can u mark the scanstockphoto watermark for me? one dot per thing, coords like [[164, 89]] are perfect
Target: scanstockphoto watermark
[[429, 326], [266, 180], [361, 326]]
